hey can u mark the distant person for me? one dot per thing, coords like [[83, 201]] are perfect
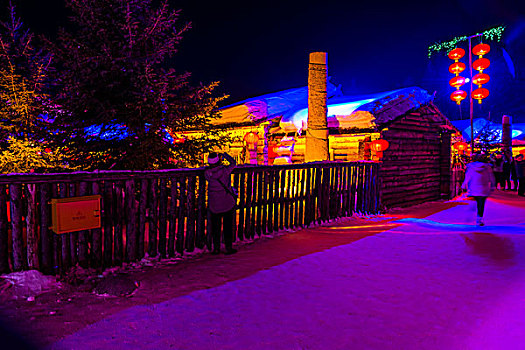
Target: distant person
[[520, 174], [479, 183], [221, 200], [513, 174], [507, 165], [497, 161]]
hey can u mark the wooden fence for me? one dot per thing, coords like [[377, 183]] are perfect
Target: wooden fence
[[164, 212]]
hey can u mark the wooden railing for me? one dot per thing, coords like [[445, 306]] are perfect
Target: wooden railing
[[164, 212]]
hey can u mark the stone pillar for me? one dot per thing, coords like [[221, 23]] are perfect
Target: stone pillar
[[317, 131], [506, 135]]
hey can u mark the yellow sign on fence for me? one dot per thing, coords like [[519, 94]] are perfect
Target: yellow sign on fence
[[75, 213]]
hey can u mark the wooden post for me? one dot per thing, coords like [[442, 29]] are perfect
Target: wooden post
[[57, 240], [82, 235], [282, 199], [173, 213], [118, 242], [264, 202], [234, 223], [4, 238], [131, 225], [190, 224], [163, 204], [275, 200], [96, 248], [152, 219], [249, 192], [31, 230], [271, 175], [46, 236], [317, 131], [109, 213], [143, 203], [308, 198], [242, 204], [73, 236], [260, 202], [15, 200], [200, 235], [179, 244], [66, 238]]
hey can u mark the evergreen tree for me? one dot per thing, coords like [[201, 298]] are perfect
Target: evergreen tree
[[25, 156], [24, 83], [119, 91], [25, 107]]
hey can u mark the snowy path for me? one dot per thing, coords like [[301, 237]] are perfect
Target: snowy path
[[433, 283]]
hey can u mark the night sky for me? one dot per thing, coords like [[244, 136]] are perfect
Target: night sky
[[261, 47]]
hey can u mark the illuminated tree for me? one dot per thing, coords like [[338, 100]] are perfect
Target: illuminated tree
[[119, 89], [24, 102], [25, 156], [23, 83]]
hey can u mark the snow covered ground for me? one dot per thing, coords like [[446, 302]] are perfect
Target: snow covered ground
[[433, 283]]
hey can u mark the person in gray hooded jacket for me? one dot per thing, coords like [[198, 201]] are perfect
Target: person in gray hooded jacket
[[479, 183], [221, 200]]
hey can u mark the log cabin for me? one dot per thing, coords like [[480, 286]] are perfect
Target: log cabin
[[416, 167]]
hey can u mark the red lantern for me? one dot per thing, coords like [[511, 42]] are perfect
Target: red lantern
[[458, 96], [481, 64], [457, 67], [456, 54], [480, 94], [251, 138], [457, 82], [460, 147], [480, 79], [379, 146], [481, 49]]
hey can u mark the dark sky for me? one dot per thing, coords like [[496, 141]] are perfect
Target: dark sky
[[259, 47]]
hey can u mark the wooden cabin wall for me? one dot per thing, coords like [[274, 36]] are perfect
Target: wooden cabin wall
[[416, 166], [344, 147]]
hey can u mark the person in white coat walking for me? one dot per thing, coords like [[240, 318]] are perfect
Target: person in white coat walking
[[479, 183]]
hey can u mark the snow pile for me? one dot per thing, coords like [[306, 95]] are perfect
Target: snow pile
[[28, 284]]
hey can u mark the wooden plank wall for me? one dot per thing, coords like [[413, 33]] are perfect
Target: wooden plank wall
[[163, 213], [416, 166]]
